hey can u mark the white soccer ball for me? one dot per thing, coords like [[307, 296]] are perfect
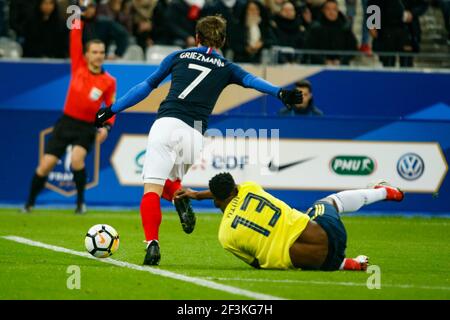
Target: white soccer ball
[[101, 240]]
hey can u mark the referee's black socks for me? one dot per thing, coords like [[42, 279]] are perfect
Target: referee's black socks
[[80, 177], [37, 184]]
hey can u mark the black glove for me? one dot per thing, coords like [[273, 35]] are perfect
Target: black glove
[[290, 97], [103, 115]]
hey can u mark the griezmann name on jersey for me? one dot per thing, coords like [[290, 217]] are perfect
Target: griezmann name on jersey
[[256, 225], [201, 57]]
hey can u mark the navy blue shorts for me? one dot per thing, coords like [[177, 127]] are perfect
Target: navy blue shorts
[[328, 218]]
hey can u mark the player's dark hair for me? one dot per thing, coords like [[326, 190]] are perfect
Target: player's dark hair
[[91, 42], [212, 31], [222, 185], [304, 84], [329, 1]]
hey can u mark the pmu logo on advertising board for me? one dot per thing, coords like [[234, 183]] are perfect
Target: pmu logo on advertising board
[[353, 165], [60, 179]]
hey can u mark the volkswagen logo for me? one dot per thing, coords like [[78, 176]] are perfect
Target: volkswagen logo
[[410, 166]]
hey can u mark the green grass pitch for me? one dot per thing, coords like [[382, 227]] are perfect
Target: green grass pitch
[[413, 255]]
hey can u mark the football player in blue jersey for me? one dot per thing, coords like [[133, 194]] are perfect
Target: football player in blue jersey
[[198, 76]]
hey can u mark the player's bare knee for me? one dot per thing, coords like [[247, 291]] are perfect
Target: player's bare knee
[[77, 163], [152, 187], [78, 156], [46, 165], [43, 170]]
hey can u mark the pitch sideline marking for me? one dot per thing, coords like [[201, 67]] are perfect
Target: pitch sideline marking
[[348, 284], [164, 273]]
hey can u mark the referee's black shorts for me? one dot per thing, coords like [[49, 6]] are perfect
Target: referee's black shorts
[[70, 131]]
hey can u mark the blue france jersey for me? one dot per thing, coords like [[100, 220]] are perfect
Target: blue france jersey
[[199, 76]]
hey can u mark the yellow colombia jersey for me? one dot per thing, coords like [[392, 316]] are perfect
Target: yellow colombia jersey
[[256, 225]]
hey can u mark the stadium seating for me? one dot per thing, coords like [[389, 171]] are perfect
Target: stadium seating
[[10, 49], [155, 54], [134, 53]]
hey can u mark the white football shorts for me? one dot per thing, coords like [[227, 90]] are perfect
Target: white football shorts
[[172, 148]]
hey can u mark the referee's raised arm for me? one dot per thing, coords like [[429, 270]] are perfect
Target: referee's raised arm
[[76, 45], [90, 88]]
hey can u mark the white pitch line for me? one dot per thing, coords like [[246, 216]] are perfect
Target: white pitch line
[[164, 273], [347, 284]]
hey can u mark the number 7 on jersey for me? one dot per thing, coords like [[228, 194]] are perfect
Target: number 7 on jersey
[[204, 72]]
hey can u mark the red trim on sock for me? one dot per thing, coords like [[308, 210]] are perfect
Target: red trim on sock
[[170, 187], [151, 215]]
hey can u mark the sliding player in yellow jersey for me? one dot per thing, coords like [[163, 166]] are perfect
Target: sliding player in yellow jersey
[[266, 233]]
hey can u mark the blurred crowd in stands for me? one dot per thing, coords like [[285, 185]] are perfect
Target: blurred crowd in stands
[[39, 26]]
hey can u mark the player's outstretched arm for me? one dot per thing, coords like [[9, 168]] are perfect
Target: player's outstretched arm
[[248, 80], [131, 98], [192, 194], [137, 93], [76, 46]]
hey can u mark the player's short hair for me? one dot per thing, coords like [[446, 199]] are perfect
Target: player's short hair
[[88, 44], [212, 31], [222, 185], [304, 84], [329, 1]]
